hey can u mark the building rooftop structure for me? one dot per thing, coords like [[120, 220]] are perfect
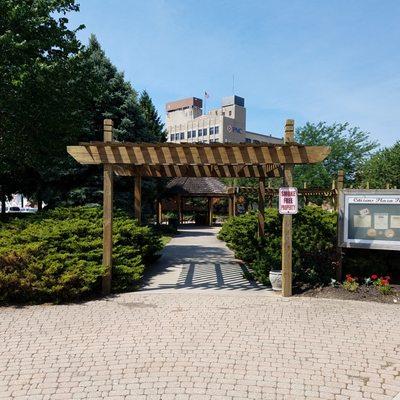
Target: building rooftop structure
[[186, 122]]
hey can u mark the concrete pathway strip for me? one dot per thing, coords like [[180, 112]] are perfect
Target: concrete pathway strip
[[196, 259]]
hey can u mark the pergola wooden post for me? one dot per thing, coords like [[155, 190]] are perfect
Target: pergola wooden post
[[270, 196], [287, 220], [305, 196], [107, 212], [138, 196], [261, 207]]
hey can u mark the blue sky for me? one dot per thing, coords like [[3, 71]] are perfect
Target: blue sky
[[333, 61]]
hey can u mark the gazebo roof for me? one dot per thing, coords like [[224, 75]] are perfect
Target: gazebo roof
[[207, 187]]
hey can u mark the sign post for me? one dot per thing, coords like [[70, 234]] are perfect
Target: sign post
[[287, 220]]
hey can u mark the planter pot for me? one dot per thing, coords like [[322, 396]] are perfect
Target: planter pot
[[275, 277]]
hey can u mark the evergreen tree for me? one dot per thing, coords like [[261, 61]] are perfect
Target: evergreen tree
[[155, 127], [115, 98]]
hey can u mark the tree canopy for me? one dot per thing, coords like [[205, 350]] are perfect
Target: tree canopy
[[350, 147], [55, 91], [383, 168]]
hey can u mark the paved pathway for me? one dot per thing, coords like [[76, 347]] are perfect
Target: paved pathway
[[201, 344], [196, 259]]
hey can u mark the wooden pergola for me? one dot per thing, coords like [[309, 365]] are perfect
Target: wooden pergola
[[231, 160]]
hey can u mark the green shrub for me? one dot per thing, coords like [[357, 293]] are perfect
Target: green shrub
[[57, 255], [314, 243], [240, 235]]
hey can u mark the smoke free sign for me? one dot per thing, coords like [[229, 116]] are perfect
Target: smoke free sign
[[288, 200]]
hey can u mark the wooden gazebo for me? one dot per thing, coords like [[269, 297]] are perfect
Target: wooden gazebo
[[197, 160], [182, 188]]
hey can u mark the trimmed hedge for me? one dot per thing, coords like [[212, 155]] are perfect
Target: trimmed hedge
[[57, 255], [314, 243]]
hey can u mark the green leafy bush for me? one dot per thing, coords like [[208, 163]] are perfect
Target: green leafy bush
[[57, 255], [240, 235], [314, 243]]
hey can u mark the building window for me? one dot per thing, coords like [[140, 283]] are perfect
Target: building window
[[212, 130], [205, 132], [172, 137], [216, 130], [230, 113], [248, 140], [182, 135], [256, 141], [200, 133], [193, 133], [189, 134]]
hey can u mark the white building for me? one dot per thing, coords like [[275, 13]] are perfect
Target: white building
[[186, 122]]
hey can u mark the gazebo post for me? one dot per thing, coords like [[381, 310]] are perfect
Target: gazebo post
[[107, 212], [261, 207], [287, 220], [182, 208], [210, 210], [138, 196], [230, 208], [159, 211], [179, 206]]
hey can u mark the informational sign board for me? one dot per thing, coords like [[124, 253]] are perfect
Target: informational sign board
[[369, 219], [288, 203]]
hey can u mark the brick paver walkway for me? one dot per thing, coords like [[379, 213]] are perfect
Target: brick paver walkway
[[201, 345]]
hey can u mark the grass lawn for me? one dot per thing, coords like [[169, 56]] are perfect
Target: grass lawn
[[165, 239]]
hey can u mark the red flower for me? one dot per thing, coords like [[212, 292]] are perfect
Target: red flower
[[349, 278], [384, 282], [374, 277]]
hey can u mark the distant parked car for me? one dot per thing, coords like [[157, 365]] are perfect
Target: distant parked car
[[14, 209], [28, 210]]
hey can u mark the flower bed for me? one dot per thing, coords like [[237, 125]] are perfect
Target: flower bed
[[373, 288]]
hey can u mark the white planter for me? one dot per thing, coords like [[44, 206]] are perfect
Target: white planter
[[275, 277]]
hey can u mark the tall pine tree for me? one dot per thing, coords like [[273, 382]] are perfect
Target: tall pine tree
[[154, 125]]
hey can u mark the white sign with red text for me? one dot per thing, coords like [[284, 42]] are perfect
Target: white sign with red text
[[288, 203]]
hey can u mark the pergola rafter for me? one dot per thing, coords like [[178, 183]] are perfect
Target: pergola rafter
[[228, 160], [192, 154]]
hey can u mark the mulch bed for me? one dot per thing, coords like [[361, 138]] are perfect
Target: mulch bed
[[363, 293]]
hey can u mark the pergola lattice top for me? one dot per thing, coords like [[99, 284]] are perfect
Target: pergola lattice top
[[195, 160]]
